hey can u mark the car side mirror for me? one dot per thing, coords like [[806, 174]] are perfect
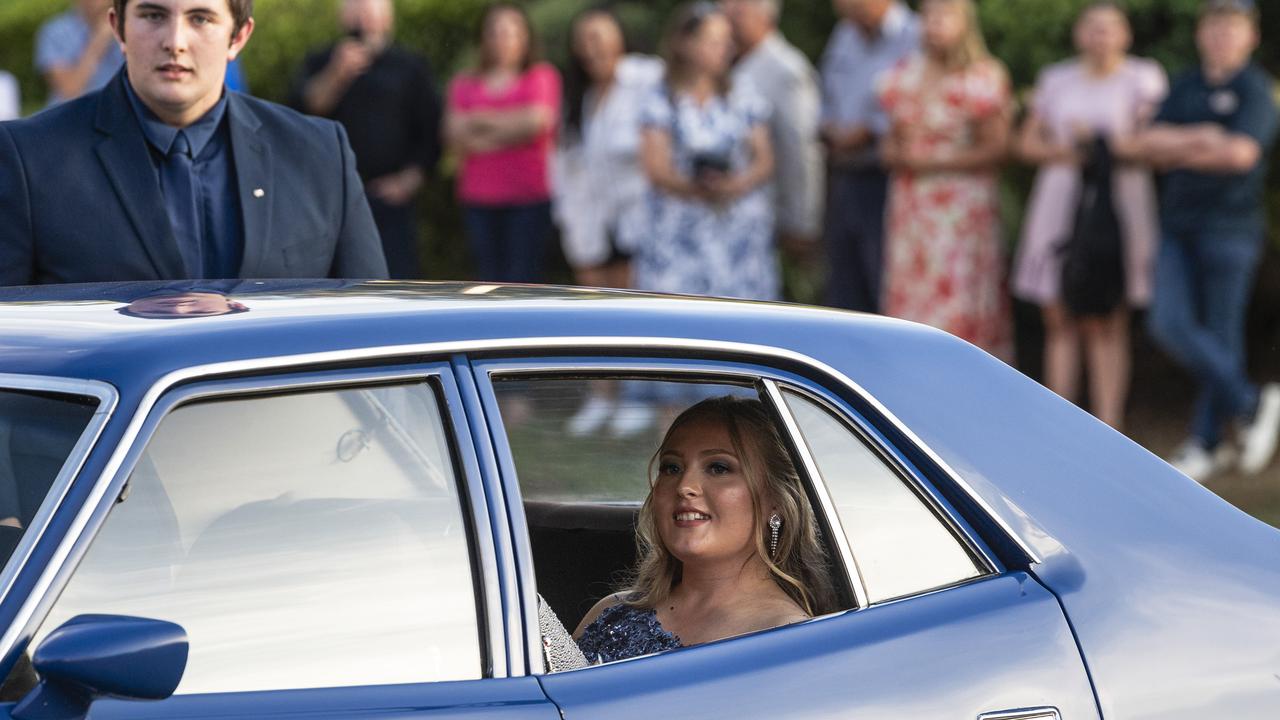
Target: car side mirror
[[97, 656]]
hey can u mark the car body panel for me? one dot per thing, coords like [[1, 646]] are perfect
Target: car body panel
[[1173, 595], [991, 645]]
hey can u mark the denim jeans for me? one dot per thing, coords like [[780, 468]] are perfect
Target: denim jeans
[[508, 242], [1203, 284]]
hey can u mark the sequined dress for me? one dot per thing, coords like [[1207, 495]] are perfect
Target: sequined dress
[[622, 632]]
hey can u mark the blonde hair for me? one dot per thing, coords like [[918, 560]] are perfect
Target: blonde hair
[[973, 48], [800, 566]]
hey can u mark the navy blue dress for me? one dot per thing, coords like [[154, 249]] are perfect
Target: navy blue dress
[[622, 632]]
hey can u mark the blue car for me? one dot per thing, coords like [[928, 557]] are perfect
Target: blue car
[[341, 500]]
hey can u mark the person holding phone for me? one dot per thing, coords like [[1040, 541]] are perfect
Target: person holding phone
[[705, 148], [386, 99]]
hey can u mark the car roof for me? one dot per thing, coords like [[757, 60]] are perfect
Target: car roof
[[87, 331]]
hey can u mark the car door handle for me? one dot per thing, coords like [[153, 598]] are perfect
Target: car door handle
[[1037, 713]]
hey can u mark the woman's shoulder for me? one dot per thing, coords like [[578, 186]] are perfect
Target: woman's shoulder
[[611, 603], [542, 70], [1054, 74], [1145, 72], [643, 71]]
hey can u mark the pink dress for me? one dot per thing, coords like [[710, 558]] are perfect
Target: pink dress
[[517, 175], [944, 263], [1067, 98]]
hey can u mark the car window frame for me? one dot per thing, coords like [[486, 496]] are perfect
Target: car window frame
[[753, 371], [108, 400], [471, 491]]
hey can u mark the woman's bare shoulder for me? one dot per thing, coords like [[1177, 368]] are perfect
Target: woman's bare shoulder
[[604, 604]]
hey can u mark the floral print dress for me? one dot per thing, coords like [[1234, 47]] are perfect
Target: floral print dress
[[699, 248], [944, 263]]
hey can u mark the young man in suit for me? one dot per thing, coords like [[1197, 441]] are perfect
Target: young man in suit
[[163, 174]]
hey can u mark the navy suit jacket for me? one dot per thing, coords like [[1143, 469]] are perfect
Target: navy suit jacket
[[80, 200]]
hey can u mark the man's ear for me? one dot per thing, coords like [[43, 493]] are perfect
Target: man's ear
[[117, 25], [240, 39]]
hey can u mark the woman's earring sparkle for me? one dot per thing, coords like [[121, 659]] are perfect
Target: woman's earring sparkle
[[775, 524]]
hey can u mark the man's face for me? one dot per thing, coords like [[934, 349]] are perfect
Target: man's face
[[176, 53], [372, 19], [867, 14], [1226, 39], [752, 20], [180, 305], [94, 8]]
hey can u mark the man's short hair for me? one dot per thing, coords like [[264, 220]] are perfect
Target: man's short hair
[[241, 11], [1248, 8]]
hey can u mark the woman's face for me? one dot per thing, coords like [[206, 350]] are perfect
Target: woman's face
[[945, 25], [597, 41], [1102, 34], [710, 49], [701, 500], [506, 39]]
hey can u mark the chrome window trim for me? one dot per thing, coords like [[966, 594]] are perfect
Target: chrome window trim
[[387, 352], [108, 399], [819, 485], [1037, 713]]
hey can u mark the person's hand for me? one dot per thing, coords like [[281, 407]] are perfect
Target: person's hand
[[350, 60], [723, 188], [397, 189]]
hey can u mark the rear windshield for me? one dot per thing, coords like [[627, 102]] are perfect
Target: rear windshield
[[37, 434]]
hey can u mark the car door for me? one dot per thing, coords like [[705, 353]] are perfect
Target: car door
[[936, 627], [325, 540]]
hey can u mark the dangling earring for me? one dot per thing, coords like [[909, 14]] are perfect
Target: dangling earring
[[775, 524]]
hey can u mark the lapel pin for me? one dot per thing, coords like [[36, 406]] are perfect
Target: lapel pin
[[259, 192]]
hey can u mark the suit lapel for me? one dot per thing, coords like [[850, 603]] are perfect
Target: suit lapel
[[253, 171], [126, 161]]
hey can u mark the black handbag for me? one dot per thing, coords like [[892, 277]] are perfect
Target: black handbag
[[1093, 277]]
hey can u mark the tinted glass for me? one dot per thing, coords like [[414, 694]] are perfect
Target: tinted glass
[[305, 540], [592, 439], [37, 433], [901, 546]]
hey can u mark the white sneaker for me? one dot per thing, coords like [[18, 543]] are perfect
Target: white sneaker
[[1258, 438], [592, 416], [632, 419], [1196, 462]]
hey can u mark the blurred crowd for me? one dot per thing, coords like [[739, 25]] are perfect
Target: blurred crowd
[[697, 171]]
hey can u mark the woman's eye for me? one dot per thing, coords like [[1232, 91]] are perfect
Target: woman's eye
[[668, 469], [718, 468]]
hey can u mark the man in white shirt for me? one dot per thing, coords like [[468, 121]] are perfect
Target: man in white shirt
[[871, 37], [779, 72]]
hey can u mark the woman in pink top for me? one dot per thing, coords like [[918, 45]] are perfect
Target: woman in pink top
[[1101, 92], [501, 120]]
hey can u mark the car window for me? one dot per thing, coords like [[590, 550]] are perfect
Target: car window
[[590, 440], [900, 545], [37, 434], [583, 482], [312, 539]]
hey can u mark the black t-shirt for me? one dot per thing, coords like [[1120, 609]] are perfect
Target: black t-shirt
[[1219, 202], [391, 112]]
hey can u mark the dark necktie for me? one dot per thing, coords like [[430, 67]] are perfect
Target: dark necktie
[[180, 202]]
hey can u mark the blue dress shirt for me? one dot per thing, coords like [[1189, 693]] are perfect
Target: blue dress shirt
[[852, 65], [219, 238]]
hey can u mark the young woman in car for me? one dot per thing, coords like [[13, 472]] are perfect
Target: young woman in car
[[727, 538]]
